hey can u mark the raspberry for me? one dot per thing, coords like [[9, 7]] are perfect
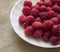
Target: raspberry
[[28, 3], [58, 2], [56, 30], [26, 10], [48, 3], [54, 40], [55, 20], [26, 24], [43, 16], [40, 3], [43, 9], [37, 25], [37, 34], [21, 19], [36, 6], [29, 19], [56, 9], [47, 25], [49, 9], [59, 38], [34, 12], [46, 36], [51, 14], [53, 1], [38, 19], [58, 17], [43, 0], [29, 31]]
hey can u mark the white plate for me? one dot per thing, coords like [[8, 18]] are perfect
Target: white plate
[[14, 15]]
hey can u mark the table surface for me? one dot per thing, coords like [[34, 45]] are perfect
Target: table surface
[[9, 40]]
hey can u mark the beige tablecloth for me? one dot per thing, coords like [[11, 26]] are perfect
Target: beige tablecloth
[[9, 40]]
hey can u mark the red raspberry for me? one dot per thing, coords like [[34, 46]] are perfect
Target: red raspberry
[[34, 12], [36, 6], [48, 3], [43, 16], [58, 17], [43, 0], [54, 40], [29, 31], [53, 1], [28, 3], [25, 25], [21, 19], [58, 2], [40, 3], [56, 30], [49, 9], [59, 38], [55, 20], [26, 10], [56, 9], [46, 36], [47, 25], [51, 14], [37, 34], [38, 19], [29, 19], [43, 8], [37, 25]]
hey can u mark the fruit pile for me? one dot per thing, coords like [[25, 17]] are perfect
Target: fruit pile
[[42, 20]]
